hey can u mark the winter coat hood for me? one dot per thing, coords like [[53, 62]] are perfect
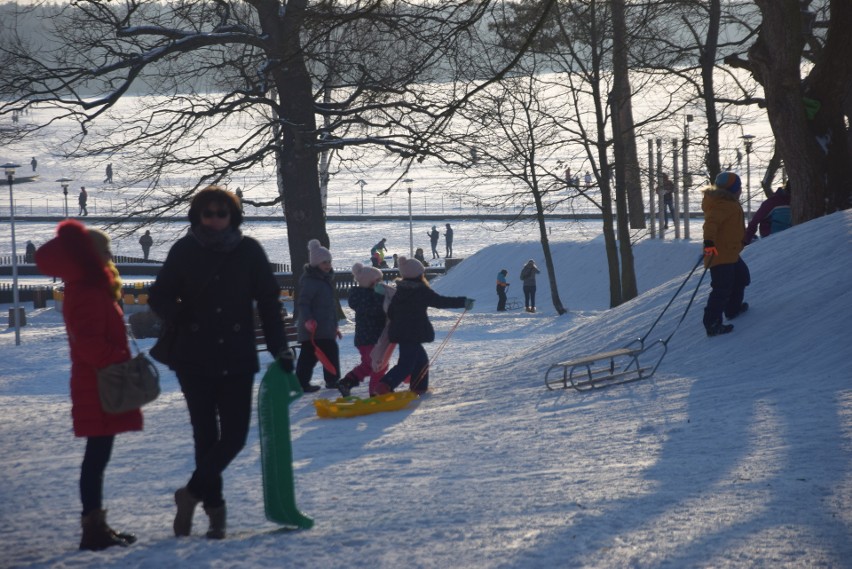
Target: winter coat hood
[[73, 257]]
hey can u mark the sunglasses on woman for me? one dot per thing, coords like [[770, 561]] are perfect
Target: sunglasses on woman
[[220, 213]]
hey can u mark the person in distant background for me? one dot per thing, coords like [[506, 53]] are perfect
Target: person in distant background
[[97, 339], [34, 163], [83, 199], [528, 274], [239, 193], [146, 241], [448, 236], [29, 252], [772, 216], [667, 191], [433, 240], [420, 256], [501, 290], [108, 179]]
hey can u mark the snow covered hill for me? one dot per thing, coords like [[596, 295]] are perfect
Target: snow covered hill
[[738, 453]]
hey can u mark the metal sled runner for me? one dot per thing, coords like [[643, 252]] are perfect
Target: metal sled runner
[[635, 361]]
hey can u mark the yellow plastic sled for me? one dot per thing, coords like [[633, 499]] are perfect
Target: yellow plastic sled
[[351, 406]]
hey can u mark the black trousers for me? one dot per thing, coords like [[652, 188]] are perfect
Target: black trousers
[[308, 360], [95, 460], [501, 298], [727, 289], [220, 413]]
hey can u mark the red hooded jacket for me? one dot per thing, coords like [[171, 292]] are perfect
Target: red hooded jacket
[[95, 326]]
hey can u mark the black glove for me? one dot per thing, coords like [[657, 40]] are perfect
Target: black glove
[[285, 359]]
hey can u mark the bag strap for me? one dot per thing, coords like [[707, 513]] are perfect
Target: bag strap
[[132, 337]]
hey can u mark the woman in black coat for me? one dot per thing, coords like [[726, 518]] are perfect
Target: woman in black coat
[[410, 327], [207, 288]]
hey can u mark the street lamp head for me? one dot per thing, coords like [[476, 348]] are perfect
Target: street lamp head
[[64, 183], [9, 167], [747, 140]]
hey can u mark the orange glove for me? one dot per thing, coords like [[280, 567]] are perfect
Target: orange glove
[[710, 249]]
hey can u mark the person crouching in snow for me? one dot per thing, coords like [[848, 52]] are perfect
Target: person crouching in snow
[[410, 327], [369, 322], [317, 318]]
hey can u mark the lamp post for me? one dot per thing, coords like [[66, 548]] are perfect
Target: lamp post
[[409, 181], [687, 176], [362, 183], [747, 140], [16, 320], [64, 183]]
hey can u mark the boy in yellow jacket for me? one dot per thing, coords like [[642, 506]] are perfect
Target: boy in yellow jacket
[[724, 230]]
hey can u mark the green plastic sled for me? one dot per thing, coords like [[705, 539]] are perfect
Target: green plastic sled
[[278, 389]]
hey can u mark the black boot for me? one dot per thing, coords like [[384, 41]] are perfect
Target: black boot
[[217, 517], [346, 384], [186, 504], [717, 329], [743, 308], [97, 535]]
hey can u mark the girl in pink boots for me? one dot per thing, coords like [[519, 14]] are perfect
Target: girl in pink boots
[[370, 320]]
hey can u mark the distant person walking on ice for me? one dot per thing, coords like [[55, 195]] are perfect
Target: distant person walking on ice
[[528, 274], [108, 179], [448, 237], [34, 163], [501, 290], [434, 235], [146, 241], [588, 179], [667, 191], [82, 199], [377, 254], [724, 232]]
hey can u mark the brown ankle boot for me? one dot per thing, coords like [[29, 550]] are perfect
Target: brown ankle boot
[[186, 503], [97, 535], [217, 522]]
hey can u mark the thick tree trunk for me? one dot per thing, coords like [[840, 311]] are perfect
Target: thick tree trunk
[[298, 175], [708, 66], [815, 151], [629, 160], [548, 256]]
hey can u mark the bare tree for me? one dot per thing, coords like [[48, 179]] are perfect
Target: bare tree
[[810, 116], [366, 68]]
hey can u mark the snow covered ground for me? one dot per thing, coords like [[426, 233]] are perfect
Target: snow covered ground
[[738, 453]]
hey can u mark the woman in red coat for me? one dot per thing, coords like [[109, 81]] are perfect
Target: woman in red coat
[[97, 339]]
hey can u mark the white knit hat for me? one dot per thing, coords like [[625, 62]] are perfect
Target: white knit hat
[[410, 268], [317, 253], [366, 276]]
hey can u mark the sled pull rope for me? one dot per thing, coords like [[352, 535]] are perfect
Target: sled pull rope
[[438, 351], [677, 292], [689, 304]]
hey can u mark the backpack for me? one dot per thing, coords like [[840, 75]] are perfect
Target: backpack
[[781, 219]]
